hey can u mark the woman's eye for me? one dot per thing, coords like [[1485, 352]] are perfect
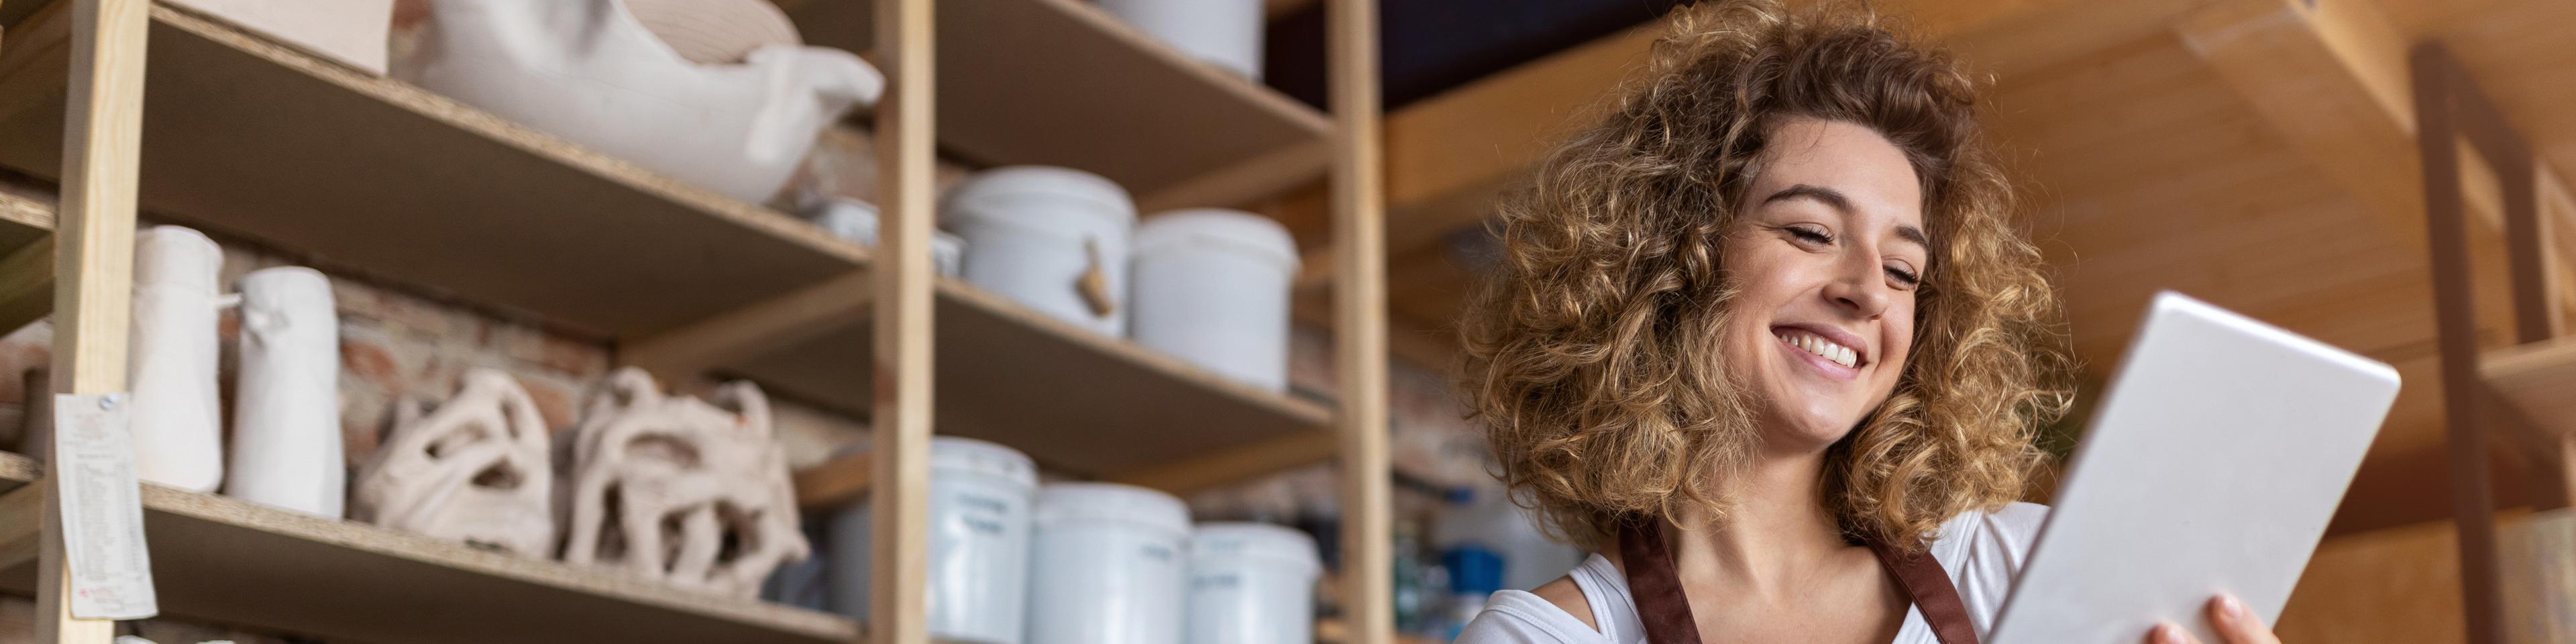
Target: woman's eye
[[1904, 276], [1810, 235]]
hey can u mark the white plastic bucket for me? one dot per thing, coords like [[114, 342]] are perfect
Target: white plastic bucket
[[1252, 583], [980, 496], [1212, 288], [1033, 232], [1111, 566], [1225, 33]]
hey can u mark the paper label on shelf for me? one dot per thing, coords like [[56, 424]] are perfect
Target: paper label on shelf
[[102, 508]]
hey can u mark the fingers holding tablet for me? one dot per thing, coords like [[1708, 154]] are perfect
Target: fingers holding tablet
[[2235, 625]]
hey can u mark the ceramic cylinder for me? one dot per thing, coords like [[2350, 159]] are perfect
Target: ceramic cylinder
[[980, 497], [1212, 288], [170, 361], [1042, 235], [286, 414], [1110, 566], [1252, 583], [1225, 33]]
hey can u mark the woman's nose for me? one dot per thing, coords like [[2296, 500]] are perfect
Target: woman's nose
[[1859, 288]]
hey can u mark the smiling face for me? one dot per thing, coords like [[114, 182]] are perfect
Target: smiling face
[[1825, 257]]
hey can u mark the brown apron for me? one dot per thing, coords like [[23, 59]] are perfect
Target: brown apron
[[1667, 615]]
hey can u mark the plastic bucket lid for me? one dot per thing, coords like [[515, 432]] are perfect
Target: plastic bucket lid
[[970, 456], [1205, 227], [1112, 502], [988, 195], [1257, 541]]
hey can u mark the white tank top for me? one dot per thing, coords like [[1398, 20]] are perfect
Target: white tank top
[[1982, 551]]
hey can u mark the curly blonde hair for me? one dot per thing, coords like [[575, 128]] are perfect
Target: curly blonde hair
[[1593, 353]]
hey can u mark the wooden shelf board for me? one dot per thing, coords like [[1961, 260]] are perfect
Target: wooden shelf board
[[1062, 82], [26, 216], [1071, 399], [226, 560], [2535, 381], [255, 139]]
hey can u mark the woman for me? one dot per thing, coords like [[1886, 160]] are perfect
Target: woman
[[1762, 338]]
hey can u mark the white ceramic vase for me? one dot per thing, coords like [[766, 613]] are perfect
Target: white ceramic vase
[[590, 72], [170, 363], [286, 407]]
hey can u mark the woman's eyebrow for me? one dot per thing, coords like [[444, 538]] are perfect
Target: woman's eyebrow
[[1913, 234], [1830, 197]]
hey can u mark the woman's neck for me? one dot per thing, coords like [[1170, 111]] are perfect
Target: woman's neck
[[1776, 537]]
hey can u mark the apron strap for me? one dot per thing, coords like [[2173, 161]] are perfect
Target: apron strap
[[1666, 614]]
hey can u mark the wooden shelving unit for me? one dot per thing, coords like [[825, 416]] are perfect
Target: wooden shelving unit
[[1061, 82], [231, 561], [373, 177]]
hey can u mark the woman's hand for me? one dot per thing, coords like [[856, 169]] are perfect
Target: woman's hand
[[2235, 624]]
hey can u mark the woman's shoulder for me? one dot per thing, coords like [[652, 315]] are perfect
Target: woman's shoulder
[[1984, 550], [1520, 617]]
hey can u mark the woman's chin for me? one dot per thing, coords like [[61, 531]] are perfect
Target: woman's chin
[[1802, 435]]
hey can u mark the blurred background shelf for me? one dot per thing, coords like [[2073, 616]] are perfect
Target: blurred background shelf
[[253, 139], [1061, 82], [225, 560], [2537, 383], [1074, 400]]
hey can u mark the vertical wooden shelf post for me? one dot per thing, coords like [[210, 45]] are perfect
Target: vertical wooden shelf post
[[93, 255], [897, 612], [1359, 320], [2449, 107]]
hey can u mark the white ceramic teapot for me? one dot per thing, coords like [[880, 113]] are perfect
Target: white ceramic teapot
[[590, 72]]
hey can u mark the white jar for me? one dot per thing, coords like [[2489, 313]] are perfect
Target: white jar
[[980, 495], [1033, 233], [171, 358], [1252, 583], [286, 405], [1225, 33], [1110, 566], [1212, 288]]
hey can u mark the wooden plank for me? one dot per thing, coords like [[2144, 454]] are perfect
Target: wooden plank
[[1236, 465], [18, 521], [798, 316], [1359, 330], [834, 483], [2446, 230], [26, 284], [898, 523], [1061, 82], [1077, 401], [99, 144], [2532, 383], [374, 177], [220, 559]]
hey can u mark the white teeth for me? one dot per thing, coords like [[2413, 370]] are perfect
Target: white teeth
[[1826, 349]]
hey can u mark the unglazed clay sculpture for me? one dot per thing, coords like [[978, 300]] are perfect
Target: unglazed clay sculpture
[[677, 489], [286, 407], [590, 72], [715, 31], [170, 367], [476, 470]]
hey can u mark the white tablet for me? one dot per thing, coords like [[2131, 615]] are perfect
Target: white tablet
[[2212, 464]]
